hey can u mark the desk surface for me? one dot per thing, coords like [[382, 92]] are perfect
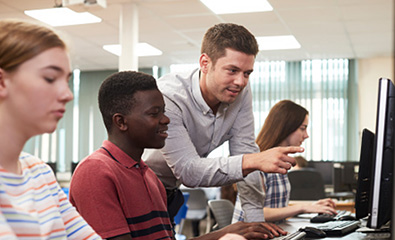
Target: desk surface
[[293, 225]]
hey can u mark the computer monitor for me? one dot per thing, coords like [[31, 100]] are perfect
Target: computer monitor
[[325, 168], [345, 175], [383, 156], [364, 175], [342, 176]]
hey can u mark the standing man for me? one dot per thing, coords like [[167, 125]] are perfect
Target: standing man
[[207, 107]]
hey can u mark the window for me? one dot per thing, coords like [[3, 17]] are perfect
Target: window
[[321, 86]]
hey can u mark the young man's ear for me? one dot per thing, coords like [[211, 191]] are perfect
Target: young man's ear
[[119, 121], [3, 89], [204, 61]]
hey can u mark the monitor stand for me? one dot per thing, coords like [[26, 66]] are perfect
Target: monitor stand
[[386, 228]]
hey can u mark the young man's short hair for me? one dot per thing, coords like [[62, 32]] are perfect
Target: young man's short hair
[[116, 93], [228, 35]]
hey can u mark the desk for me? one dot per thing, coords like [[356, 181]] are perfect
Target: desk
[[293, 224], [341, 195], [340, 205]]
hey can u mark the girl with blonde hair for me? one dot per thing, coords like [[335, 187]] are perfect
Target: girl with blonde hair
[[34, 89]]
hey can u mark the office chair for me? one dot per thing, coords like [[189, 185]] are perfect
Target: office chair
[[197, 207], [180, 217], [306, 184], [53, 166], [222, 210]]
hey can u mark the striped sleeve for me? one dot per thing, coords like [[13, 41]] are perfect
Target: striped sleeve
[[76, 226], [6, 232]]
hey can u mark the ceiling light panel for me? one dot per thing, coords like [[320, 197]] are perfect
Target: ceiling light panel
[[143, 49], [237, 6], [278, 42], [62, 16]]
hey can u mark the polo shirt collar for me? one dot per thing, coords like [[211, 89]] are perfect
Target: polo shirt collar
[[121, 156]]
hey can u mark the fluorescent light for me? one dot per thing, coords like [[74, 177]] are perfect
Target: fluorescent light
[[143, 49], [62, 16], [278, 42], [237, 6]]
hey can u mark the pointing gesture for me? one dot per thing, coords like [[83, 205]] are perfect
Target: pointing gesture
[[274, 160]]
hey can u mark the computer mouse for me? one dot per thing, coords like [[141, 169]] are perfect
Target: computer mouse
[[322, 218], [312, 232], [346, 217]]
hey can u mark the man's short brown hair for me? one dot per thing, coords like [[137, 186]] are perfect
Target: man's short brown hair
[[228, 35]]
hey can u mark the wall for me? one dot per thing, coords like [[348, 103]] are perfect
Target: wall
[[369, 71]]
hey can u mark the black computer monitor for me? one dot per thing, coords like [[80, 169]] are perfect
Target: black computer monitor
[[383, 156], [325, 168], [345, 176], [364, 175]]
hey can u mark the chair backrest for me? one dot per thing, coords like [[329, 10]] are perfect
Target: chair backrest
[[222, 210], [182, 212], [197, 203], [306, 184], [197, 198]]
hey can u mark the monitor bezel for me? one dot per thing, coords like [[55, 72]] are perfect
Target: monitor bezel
[[378, 212]]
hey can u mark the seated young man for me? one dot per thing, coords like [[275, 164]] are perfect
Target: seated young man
[[115, 192]]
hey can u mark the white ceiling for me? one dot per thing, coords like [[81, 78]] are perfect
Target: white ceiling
[[324, 28]]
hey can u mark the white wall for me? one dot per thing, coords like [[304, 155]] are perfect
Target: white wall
[[369, 71]]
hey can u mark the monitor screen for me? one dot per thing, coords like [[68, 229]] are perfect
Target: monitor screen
[[364, 175], [383, 157]]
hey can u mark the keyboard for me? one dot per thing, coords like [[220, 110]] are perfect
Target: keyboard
[[298, 235], [338, 228]]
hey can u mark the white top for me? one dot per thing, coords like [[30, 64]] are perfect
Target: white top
[[33, 206]]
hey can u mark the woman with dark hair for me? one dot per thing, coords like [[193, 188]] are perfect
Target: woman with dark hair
[[286, 125]]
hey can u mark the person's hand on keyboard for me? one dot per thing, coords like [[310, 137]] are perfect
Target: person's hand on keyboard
[[326, 202], [323, 206], [326, 205]]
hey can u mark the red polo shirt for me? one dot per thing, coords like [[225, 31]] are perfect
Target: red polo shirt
[[117, 195]]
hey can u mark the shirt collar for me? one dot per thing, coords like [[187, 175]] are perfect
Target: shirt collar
[[198, 97], [121, 156]]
